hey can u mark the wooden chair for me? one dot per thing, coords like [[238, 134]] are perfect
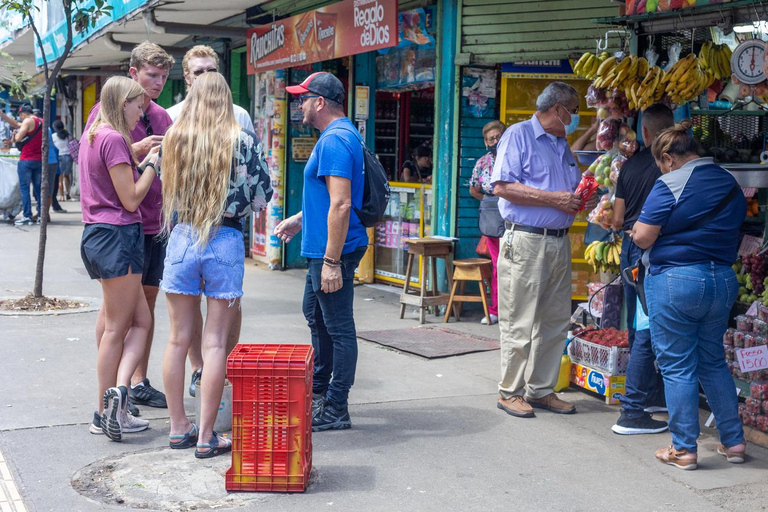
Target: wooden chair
[[430, 249], [473, 269]]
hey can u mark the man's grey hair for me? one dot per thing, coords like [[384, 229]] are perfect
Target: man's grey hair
[[554, 93]]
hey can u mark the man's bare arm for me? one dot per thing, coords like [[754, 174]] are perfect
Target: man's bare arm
[[524, 195]]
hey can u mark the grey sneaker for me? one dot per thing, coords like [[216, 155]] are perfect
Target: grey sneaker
[[132, 424], [115, 402], [144, 394], [95, 426], [318, 401]]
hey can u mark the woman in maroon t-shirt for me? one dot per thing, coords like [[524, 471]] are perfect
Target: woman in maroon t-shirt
[[112, 247]]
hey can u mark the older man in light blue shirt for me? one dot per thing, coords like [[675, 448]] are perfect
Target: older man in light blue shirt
[[535, 176]]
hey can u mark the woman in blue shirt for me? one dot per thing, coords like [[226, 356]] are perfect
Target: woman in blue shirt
[[689, 227]]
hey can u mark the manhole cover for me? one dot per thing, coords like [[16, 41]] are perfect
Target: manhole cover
[[431, 341], [162, 479]]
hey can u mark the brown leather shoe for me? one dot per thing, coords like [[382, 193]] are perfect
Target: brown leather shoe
[[679, 458], [516, 406], [733, 455], [552, 403]]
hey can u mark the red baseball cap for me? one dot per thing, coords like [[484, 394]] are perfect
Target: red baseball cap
[[321, 83]]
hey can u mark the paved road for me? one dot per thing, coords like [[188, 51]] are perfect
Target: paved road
[[426, 435]]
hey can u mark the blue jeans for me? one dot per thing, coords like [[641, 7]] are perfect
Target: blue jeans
[[331, 322], [644, 385], [689, 309], [29, 171]]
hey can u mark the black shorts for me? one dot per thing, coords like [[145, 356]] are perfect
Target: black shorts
[[110, 251], [154, 258]]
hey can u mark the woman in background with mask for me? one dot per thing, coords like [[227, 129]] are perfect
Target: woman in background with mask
[[490, 221]]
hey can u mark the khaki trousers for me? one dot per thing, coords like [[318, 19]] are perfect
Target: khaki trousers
[[534, 311]]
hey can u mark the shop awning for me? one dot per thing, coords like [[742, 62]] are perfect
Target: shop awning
[[725, 15]]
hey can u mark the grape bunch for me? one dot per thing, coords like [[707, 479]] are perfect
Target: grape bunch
[[756, 266]]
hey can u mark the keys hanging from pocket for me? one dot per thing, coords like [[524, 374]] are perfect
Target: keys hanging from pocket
[[508, 249]]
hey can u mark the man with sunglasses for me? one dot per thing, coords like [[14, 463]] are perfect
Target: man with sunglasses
[[333, 241], [535, 177], [149, 66], [197, 61]]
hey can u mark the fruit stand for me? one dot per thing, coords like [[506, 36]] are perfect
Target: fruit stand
[[706, 61]]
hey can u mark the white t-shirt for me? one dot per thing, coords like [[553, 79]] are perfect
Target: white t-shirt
[[241, 115], [61, 144]]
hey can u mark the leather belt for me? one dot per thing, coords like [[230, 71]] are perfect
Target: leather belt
[[537, 231], [232, 223]]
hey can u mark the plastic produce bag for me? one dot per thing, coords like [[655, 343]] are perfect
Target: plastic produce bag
[[651, 56], [642, 321], [10, 197], [674, 55]]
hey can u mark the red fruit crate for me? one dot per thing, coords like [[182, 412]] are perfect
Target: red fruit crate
[[271, 417]]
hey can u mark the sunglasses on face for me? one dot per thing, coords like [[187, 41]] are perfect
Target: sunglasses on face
[[306, 97], [199, 72], [145, 119]]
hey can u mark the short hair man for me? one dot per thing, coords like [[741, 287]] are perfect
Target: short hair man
[[644, 386], [535, 176], [203, 59], [333, 241], [30, 166], [149, 66], [198, 60]]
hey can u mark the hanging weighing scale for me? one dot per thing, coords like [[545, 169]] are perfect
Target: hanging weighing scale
[[747, 62]]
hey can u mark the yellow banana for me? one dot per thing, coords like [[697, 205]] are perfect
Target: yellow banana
[[606, 65]]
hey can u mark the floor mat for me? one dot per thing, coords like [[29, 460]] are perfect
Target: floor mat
[[431, 342]]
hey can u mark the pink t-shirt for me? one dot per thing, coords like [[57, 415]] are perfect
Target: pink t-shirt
[[98, 197], [160, 121]]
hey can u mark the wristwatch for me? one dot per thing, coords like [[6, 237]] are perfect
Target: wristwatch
[[148, 164]]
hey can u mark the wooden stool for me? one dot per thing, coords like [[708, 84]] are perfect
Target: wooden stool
[[430, 249], [473, 269]]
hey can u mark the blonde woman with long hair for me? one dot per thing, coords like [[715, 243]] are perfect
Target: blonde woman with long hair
[[112, 247], [213, 175]]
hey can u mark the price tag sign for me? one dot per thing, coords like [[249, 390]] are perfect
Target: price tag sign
[[749, 245], [753, 358]]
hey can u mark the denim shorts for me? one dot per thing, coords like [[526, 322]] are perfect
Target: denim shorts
[[112, 251], [220, 263]]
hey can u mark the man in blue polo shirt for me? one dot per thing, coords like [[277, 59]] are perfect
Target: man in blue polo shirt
[[333, 241]]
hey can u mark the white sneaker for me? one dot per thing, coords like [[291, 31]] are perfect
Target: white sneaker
[[494, 320], [23, 221], [133, 424]]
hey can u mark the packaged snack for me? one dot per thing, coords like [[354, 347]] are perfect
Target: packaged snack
[[749, 340], [730, 354], [761, 423], [759, 327], [743, 323], [738, 339], [586, 189], [759, 390], [762, 312], [728, 337]]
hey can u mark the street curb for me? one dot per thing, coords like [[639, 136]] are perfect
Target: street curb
[[94, 304]]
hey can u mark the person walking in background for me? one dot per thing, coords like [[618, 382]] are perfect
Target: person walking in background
[[214, 174], [197, 61], [149, 67], [61, 139], [490, 222], [30, 167], [112, 248], [535, 176], [689, 229], [52, 168], [333, 241], [644, 386]]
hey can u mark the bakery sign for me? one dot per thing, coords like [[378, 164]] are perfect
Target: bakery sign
[[338, 30]]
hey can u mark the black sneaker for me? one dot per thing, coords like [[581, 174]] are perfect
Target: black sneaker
[[645, 424], [144, 394], [95, 427], [133, 409], [196, 376], [331, 417], [318, 401], [115, 400]]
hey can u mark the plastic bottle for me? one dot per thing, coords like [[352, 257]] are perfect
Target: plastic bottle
[[564, 378]]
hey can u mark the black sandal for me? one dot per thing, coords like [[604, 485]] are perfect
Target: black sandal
[[188, 440], [214, 448]]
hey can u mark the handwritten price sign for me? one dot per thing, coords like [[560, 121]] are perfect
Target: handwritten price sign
[[753, 358]]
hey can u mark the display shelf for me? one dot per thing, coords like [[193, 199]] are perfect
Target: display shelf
[[579, 297], [738, 112]]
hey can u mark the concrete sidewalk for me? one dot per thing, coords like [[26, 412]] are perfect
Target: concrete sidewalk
[[426, 433]]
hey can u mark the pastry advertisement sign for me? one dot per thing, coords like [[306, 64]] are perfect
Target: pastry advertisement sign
[[338, 30]]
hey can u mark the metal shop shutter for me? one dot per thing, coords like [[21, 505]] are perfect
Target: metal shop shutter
[[495, 31]]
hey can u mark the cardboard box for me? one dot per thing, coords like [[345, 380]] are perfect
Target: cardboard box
[[604, 384]]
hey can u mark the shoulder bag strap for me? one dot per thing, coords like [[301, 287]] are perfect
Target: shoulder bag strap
[[717, 209]]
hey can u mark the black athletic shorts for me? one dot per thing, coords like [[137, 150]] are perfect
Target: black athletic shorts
[[110, 251], [154, 259]]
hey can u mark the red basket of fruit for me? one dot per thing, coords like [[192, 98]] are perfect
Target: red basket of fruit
[[601, 349]]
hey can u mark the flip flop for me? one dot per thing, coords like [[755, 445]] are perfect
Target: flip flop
[[188, 440], [214, 448]]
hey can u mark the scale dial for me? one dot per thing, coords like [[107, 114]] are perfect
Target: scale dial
[[747, 62]]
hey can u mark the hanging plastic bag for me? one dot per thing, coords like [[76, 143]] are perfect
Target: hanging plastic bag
[[651, 56], [674, 55]]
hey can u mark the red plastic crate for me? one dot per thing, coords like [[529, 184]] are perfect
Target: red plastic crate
[[271, 417]]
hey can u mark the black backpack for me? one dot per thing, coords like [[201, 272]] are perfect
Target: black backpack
[[375, 188]]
